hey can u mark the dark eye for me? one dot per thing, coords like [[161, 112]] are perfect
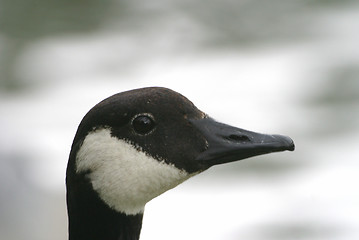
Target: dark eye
[[143, 124]]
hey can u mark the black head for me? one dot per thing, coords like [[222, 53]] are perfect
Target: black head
[[134, 145], [155, 120]]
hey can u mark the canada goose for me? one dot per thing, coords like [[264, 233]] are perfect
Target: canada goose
[[135, 145]]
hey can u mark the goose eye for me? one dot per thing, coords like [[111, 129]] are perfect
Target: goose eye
[[143, 124]]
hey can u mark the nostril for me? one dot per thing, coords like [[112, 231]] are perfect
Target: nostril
[[238, 138]]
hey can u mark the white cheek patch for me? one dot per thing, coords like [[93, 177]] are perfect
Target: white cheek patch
[[124, 177]]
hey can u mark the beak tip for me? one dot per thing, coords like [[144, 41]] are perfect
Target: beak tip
[[287, 142]]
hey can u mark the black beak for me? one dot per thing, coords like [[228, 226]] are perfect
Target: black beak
[[228, 144]]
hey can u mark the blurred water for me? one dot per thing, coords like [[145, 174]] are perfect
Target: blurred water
[[281, 67]]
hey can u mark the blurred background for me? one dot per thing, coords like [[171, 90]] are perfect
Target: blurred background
[[288, 67]]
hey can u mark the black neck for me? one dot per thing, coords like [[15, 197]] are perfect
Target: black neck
[[91, 219]]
